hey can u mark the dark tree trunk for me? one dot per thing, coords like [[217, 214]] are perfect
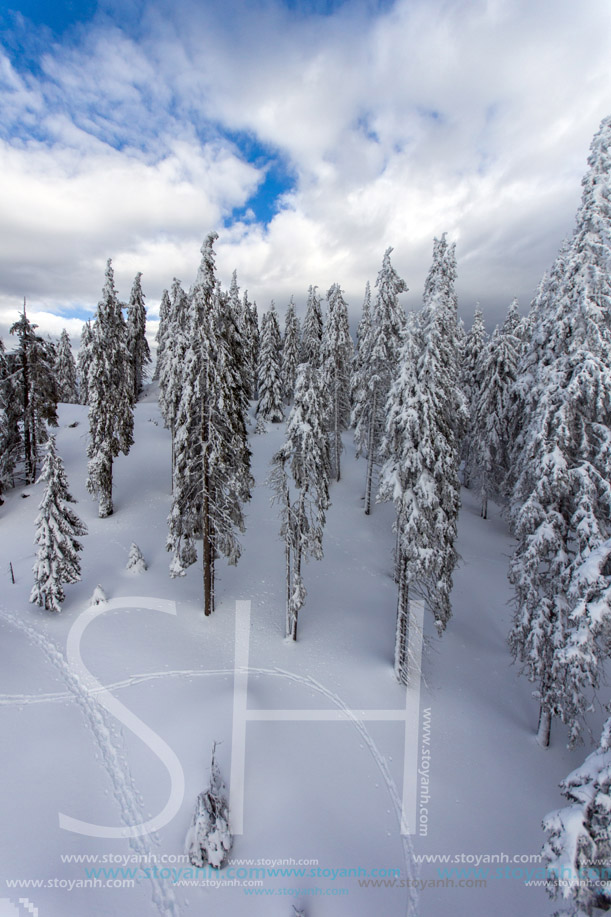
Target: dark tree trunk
[[545, 726], [401, 638], [370, 454], [105, 507], [207, 538]]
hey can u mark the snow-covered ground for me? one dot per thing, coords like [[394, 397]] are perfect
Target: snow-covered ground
[[326, 792]]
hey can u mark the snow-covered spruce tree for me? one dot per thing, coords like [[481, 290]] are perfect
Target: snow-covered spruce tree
[[470, 382], [236, 332], [291, 352], [83, 361], [98, 596], [212, 459], [311, 340], [161, 336], [209, 839], [426, 416], [358, 379], [10, 437], [304, 500], [171, 366], [57, 532], [363, 330], [270, 406], [135, 561], [577, 852], [337, 356], [536, 353], [137, 344], [252, 338], [562, 497], [37, 390], [110, 393], [378, 354], [491, 412], [65, 371]]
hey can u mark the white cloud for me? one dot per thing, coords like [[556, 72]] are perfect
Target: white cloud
[[471, 116]]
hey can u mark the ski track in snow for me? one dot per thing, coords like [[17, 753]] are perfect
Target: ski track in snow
[[307, 681], [116, 764]]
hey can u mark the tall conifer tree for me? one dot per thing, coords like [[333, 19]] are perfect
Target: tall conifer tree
[[561, 507], [110, 393], [57, 532], [137, 344], [65, 371], [378, 355], [337, 356]]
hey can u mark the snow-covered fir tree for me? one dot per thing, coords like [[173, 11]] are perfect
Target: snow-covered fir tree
[[364, 328], [33, 366], [98, 596], [57, 532], [491, 410], [135, 561], [110, 394], [10, 437], [65, 371], [378, 355], [212, 460], [513, 321], [304, 497], [577, 852], [270, 405], [337, 356], [426, 415], [161, 336], [171, 365], [137, 344], [562, 497], [209, 840], [83, 362], [291, 352], [471, 382], [235, 329], [311, 340], [358, 379], [252, 337]]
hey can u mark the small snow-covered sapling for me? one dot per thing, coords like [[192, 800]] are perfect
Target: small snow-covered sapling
[[98, 597], [136, 562]]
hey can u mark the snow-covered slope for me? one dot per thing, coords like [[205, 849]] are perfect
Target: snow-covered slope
[[323, 791]]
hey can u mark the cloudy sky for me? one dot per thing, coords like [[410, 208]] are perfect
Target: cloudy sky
[[311, 134]]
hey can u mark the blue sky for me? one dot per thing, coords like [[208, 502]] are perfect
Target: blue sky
[[311, 134]]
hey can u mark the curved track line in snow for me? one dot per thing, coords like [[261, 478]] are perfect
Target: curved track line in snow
[[122, 713], [114, 763], [412, 894], [20, 700]]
